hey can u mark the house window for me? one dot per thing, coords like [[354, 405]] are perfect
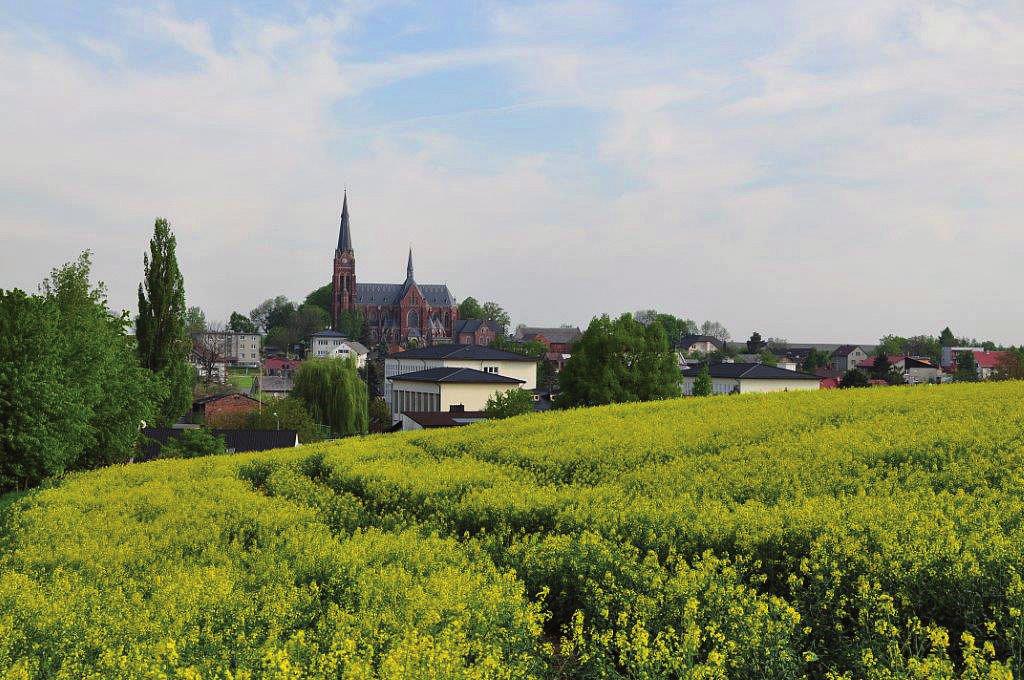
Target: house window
[[491, 369]]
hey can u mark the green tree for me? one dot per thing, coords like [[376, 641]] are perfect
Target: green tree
[[116, 391], [715, 330], [163, 343], [42, 420], [925, 346], [322, 297], [946, 338], [881, 367], [816, 359], [306, 320], [619, 360], [1011, 365], [674, 326], [272, 312], [240, 323], [380, 415], [470, 309], [192, 443], [492, 311], [767, 358], [352, 323], [755, 344], [195, 320], [891, 344], [702, 383], [335, 396], [854, 378], [966, 367], [287, 413], [514, 402]]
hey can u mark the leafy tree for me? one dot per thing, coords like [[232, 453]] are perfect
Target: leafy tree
[[674, 326], [335, 396], [854, 378], [42, 420], [470, 309], [492, 311], [352, 323], [117, 393], [702, 386], [946, 338], [778, 346], [1011, 365], [514, 402], [380, 415], [924, 346], [767, 358], [306, 320], [195, 320], [272, 312], [287, 413], [163, 343], [895, 377], [755, 344], [881, 367], [966, 367], [322, 297], [891, 344], [192, 443], [816, 359], [619, 360], [241, 324]]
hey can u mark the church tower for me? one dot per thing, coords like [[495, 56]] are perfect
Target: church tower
[[343, 284]]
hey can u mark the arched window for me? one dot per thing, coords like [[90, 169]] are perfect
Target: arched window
[[414, 319]]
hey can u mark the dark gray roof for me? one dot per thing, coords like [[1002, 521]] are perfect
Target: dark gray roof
[[344, 233], [436, 294], [749, 371], [328, 333], [237, 441], [454, 374], [430, 419], [461, 352], [566, 335], [844, 350], [688, 340], [472, 325], [273, 383]]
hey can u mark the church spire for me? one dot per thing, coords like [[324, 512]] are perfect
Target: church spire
[[408, 267], [344, 234]]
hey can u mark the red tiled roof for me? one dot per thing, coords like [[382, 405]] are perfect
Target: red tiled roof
[[278, 363], [893, 359], [829, 383], [989, 359]]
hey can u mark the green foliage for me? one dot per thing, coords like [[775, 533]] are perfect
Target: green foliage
[[470, 309], [617, 361], [821, 535], [702, 386], [675, 327], [240, 323], [73, 393], [352, 323], [285, 413], [322, 297], [334, 394], [514, 402], [193, 443], [767, 358], [816, 359], [946, 338], [380, 415], [271, 313], [1011, 366], [755, 344], [966, 367], [855, 378], [160, 333], [195, 320]]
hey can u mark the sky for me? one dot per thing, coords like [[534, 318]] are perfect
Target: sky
[[827, 171]]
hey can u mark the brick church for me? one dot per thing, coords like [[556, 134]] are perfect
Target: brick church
[[395, 312]]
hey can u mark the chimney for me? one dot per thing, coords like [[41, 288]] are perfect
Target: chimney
[[457, 408]]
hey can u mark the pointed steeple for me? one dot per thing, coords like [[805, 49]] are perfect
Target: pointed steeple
[[344, 234], [408, 267]]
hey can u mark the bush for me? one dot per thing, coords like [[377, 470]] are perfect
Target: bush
[[191, 443]]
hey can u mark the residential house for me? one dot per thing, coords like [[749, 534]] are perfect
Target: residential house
[[780, 361], [845, 357], [505, 370], [235, 441], [280, 366], [699, 344], [742, 378], [454, 417], [474, 332], [216, 408], [948, 358], [275, 386], [558, 341], [330, 343], [241, 349], [914, 369]]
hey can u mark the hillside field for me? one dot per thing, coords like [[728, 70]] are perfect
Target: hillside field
[[872, 533]]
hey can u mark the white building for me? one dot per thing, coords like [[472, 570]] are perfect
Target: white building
[[334, 344], [242, 349], [743, 378], [413, 380]]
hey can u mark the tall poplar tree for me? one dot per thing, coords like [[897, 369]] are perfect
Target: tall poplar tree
[[163, 342]]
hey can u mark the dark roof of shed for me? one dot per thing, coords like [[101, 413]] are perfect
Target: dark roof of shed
[[461, 352], [216, 397], [238, 441], [431, 419], [748, 371], [454, 374]]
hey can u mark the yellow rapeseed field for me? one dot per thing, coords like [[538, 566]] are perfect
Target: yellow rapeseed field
[[874, 533]]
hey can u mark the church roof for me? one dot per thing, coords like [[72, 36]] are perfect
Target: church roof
[[436, 294], [344, 232]]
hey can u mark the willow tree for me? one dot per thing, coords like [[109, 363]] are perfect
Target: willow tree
[[334, 394]]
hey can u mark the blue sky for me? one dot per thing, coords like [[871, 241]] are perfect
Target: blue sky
[[811, 170]]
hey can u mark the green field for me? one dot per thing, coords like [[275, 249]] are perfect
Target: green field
[[242, 378], [874, 533]]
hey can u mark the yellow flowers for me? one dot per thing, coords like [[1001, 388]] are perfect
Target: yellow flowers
[[845, 534]]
